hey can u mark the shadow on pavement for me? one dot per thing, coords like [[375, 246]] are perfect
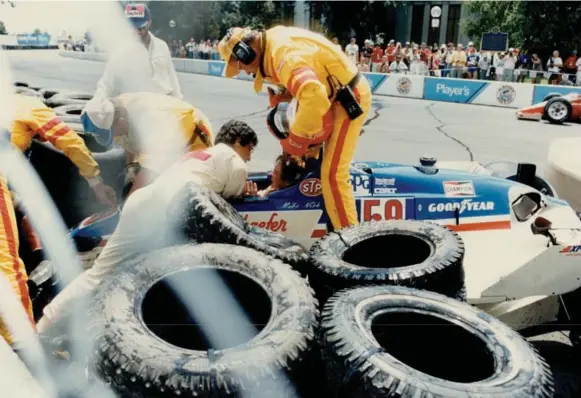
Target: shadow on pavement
[[565, 364]]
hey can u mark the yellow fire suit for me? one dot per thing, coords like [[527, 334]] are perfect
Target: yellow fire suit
[[33, 119], [154, 118], [302, 62], [11, 265]]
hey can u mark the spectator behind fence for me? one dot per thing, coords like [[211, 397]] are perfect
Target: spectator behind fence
[[508, 67], [190, 47], [484, 66], [536, 66], [337, 44], [352, 51], [398, 66], [472, 59], [522, 66], [458, 62], [554, 65], [570, 66], [376, 58]]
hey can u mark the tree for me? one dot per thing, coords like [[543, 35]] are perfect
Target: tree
[[540, 26], [362, 19], [37, 32], [3, 29]]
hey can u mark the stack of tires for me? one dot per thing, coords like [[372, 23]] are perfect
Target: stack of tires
[[69, 191], [393, 321]]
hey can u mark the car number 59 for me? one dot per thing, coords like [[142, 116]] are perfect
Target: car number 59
[[382, 209]]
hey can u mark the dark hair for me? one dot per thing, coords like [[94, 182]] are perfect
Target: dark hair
[[236, 131], [292, 170]]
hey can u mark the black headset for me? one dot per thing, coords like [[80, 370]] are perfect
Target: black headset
[[242, 52]]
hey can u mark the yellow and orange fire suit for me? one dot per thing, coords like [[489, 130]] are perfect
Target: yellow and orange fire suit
[[11, 265], [33, 119], [302, 62], [159, 126]]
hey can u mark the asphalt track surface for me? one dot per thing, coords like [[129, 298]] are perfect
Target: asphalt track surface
[[399, 130]]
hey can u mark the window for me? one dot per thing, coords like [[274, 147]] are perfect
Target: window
[[453, 28], [417, 23]]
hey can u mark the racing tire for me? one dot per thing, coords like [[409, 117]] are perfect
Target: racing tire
[[48, 92], [387, 341], [28, 92], [550, 97], [205, 216], [139, 358], [409, 253], [68, 99], [557, 111], [71, 112]]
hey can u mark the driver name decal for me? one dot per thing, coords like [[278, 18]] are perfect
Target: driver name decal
[[275, 223], [382, 209], [310, 187], [463, 206]]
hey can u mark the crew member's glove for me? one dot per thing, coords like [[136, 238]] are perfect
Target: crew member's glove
[[104, 193], [276, 97], [293, 145]]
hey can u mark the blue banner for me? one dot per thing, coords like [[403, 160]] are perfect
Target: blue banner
[[374, 79], [32, 40], [452, 90], [216, 68], [542, 91]]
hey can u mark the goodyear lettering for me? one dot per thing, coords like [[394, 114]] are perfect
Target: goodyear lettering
[[274, 223], [465, 205], [452, 91]]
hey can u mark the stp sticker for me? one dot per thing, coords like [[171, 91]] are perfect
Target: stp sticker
[[382, 209], [571, 251], [459, 188], [310, 187]]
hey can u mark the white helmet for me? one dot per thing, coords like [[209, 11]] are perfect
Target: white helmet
[[281, 117]]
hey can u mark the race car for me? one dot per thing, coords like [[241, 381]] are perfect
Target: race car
[[555, 108]]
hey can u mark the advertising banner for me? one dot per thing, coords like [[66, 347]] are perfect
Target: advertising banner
[[216, 68], [397, 85], [375, 80], [32, 40], [452, 90], [505, 94], [542, 91]]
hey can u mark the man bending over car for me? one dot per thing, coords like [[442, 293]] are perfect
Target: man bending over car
[[143, 225], [33, 119], [152, 128]]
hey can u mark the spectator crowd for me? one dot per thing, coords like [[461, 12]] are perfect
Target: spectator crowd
[[204, 49], [461, 62], [449, 60]]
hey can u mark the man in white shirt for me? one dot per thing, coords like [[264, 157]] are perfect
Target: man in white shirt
[[352, 51], [554, 65], [153, 60], [398, 66], [144, 224]]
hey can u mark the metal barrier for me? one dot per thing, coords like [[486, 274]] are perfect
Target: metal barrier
[[446, 89]]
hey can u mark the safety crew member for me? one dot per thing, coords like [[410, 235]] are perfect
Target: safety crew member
[[33, 119], [11, 266], [127, 68], [333, 100], [152, 128]]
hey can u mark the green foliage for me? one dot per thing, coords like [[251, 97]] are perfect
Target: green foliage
[[37, 32], [364, 18], [3, 30], [210, 20], [540, 26]]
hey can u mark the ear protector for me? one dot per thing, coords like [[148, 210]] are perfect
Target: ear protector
[[243, 52]]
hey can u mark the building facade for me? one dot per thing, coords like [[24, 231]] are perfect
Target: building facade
[[416, 22]]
